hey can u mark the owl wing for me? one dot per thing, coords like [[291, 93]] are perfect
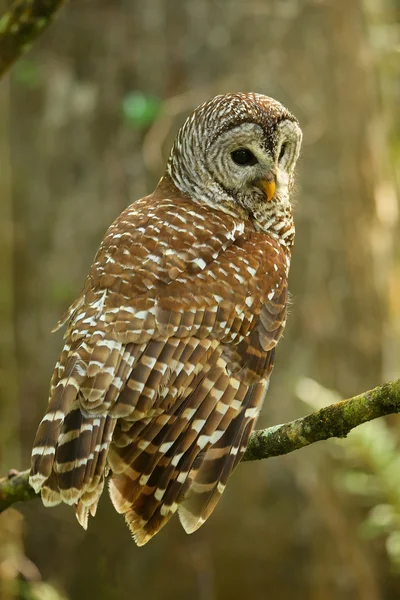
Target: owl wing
[[167, 353]]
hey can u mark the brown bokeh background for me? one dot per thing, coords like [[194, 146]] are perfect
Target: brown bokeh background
[[86, 121]]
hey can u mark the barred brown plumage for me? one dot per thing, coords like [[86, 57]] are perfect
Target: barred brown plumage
[[170, 345]]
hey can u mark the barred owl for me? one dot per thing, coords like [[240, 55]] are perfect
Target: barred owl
[[170, 345]]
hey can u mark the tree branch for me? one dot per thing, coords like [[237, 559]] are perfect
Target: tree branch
[[15, 488], [21, 25], [335, 420]]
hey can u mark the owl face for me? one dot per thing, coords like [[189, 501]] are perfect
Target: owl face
[[238, 153], [253, 165]]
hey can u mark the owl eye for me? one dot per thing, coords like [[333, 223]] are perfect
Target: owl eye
[[282, 151], [243, 157]]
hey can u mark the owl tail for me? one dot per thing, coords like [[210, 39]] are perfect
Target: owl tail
[[183, 463], [210, 478]]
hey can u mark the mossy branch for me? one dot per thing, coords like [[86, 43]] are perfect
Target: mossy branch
[[335, 420], [21, 25], [15, 488]]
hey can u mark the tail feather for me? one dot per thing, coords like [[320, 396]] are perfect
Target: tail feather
[[80, 460], [159, 468], [219, 461], [76, 452], [96, 471], [178, 482], [44, 447]]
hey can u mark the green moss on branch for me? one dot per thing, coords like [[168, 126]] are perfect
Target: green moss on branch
[[335, 420], [15, 488]]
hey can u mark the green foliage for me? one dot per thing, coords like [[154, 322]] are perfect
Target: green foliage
[[141, 110], [376, 449]]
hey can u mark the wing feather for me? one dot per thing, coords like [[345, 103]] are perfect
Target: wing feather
[[218, 462]]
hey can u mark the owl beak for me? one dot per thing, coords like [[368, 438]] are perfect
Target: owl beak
[[268, 186]]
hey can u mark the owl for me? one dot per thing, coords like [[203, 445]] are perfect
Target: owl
[[170, 345]]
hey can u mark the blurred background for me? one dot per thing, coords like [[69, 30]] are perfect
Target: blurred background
[[86, 120]]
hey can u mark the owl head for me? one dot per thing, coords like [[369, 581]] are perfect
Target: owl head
[[238, 152]]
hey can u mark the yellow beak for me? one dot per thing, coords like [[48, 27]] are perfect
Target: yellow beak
[[268, 186]]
